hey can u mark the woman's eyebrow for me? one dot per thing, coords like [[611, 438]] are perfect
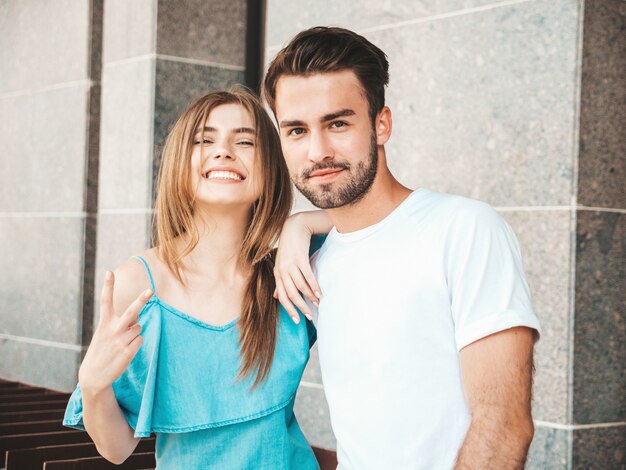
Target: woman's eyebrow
[[236, 130], [244, 130]]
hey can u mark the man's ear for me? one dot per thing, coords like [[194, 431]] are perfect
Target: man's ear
[[383, 126]]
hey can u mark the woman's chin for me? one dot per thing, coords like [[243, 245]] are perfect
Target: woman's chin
[[214, 204]]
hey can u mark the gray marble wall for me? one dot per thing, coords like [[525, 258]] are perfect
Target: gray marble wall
[[49, 109], [158, 56], [598, 363], [88, 92], [520, 104]]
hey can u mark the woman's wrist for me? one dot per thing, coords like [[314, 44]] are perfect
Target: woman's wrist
[[312, 222], [92, 388], [93, 391], [298, 222]]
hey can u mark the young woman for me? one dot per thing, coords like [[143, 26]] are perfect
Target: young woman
[[191, 345]]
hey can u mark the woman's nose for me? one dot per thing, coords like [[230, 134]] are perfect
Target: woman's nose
[[222, 152]]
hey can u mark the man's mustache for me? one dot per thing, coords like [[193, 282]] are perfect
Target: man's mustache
[[325, 166]]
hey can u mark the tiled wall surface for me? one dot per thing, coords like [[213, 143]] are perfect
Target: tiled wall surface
[[516, 104], [76, 188], [598, 356], [156, 62], [46, 80]]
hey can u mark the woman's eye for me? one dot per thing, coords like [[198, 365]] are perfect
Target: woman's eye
[[204, 141], [246, 142]]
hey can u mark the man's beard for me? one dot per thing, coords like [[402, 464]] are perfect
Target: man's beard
[[359, 182]]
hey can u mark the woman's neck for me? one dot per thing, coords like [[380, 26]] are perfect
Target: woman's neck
[[221, 235]]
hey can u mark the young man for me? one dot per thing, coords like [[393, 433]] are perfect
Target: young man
[[425, 326]]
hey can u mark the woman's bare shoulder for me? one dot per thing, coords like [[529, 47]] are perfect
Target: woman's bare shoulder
[[131, 279]]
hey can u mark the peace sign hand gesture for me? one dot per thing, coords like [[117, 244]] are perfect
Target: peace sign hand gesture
[[115, 341]]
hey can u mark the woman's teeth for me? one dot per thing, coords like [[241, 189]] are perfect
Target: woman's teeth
[[223, 175]]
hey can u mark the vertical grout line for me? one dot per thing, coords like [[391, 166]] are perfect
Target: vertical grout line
[[570, 448], [574, 231], [255, 38], [92, 157], [152, 169]]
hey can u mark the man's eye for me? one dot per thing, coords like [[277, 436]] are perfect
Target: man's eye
[[339, 124], [296, 131]]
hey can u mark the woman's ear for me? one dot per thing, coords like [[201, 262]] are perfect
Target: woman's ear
[[383, 126]]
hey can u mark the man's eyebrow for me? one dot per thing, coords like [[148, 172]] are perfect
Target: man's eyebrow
[[291, 123], [337, 114], [325, 118], [237, 130]]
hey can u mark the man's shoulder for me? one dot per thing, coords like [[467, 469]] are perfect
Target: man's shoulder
[[462, 221], [446, 208]]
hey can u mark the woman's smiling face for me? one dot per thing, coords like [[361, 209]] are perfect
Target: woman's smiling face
[[224, 158]]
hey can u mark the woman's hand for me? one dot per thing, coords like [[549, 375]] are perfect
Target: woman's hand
[[292, 270], [115, 341]]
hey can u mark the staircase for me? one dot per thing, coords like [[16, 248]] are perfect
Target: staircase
[[32, 436]]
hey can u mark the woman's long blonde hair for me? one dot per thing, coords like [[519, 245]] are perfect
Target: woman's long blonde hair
[[175, 217]]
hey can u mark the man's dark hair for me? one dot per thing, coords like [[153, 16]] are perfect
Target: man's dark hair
[[329, 49]]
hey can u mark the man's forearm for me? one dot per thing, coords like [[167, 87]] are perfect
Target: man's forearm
[[495, 445], [497, 378]]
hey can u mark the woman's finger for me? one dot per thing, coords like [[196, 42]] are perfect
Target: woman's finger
[[131, 350], [307, 272], [303, 286], [131, 314], [106, 297], [131, 334], [296, 298], [283, 298]]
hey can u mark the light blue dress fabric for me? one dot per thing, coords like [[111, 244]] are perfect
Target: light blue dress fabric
[[182, 385]]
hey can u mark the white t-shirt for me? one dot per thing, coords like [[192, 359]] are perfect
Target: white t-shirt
[[400, 299]]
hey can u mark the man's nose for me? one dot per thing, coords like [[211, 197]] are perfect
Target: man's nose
[[319, 147]]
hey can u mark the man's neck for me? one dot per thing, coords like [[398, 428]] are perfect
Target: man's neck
[[383, 197]]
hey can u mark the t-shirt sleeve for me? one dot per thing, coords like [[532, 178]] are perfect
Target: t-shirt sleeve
[[486, 282]]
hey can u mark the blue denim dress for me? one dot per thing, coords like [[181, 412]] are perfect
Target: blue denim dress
[[182, 385]]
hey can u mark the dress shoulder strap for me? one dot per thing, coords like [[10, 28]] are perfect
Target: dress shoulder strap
[[145, 265]]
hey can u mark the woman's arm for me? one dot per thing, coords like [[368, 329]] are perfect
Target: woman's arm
[[293, 273], [114, 345], [107, 426]]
